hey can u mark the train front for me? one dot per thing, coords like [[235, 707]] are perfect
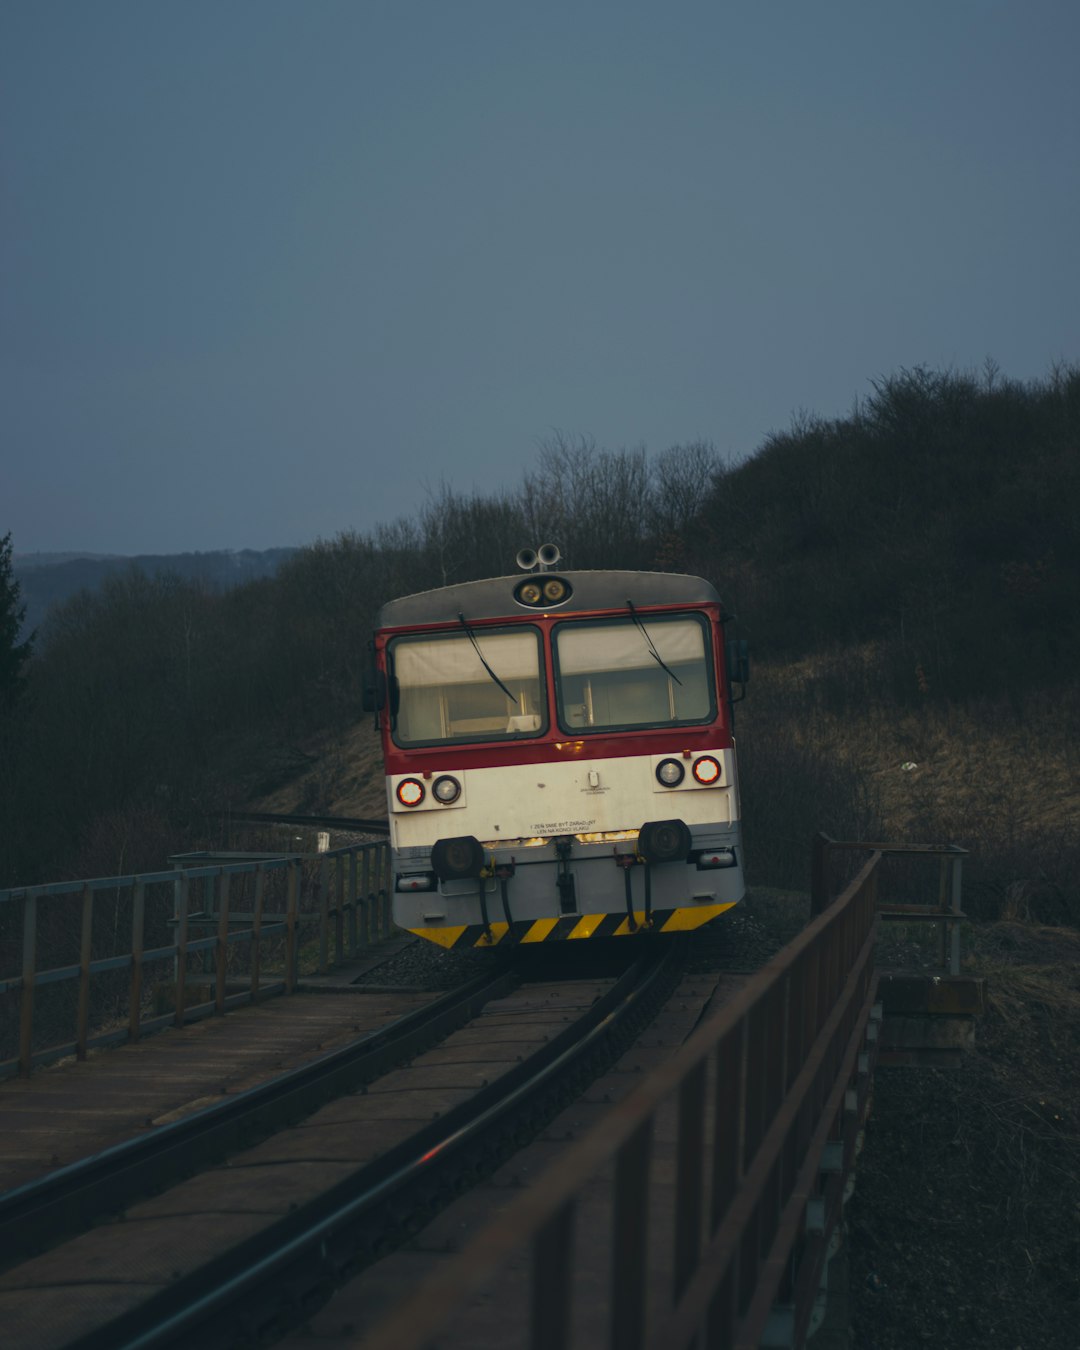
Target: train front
[[559, 757]]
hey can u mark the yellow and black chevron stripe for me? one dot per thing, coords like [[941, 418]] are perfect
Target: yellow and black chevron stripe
[[571, 926]]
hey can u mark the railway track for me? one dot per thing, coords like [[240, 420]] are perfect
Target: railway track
[[367, 1310], [238, 1254], [72, 1198]]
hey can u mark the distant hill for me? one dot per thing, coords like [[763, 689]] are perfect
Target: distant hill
[[48, 578]]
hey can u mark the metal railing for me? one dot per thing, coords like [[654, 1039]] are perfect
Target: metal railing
[[763, 1106], [262, 920], [946, 911]]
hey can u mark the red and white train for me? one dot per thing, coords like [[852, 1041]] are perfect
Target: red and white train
[[560, 762]]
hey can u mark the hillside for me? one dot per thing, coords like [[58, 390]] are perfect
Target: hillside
[[905, 576]]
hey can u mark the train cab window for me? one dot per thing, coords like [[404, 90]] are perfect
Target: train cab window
[[618, 674], [447, 694]]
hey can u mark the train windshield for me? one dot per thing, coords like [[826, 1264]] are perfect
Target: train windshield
[[648, 670], [448, 694]]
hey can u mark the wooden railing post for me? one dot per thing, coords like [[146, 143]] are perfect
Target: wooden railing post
[[324, 914], [256, 930], [82, 1024], [365, 897], [291, 908], [138, 916], [339, 911], [376, 893], [352, 902], [384, 889], [222, 949], [26, 1018], [183, 895]]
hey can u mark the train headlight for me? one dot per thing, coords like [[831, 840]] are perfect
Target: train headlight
[[707, 770], [661, 841], [543, 591], [670, 772], [410, 792], [456, 859], [446, 789]]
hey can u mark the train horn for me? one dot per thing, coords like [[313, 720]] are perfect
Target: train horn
[[548, 555], [526, 559]]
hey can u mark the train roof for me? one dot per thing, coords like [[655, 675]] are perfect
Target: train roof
[[493, 598]]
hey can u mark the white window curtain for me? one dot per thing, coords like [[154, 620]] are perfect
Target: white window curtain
[[588, 649], [449, 661]]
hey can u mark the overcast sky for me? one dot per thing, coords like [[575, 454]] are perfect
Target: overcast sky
[[271, 269]]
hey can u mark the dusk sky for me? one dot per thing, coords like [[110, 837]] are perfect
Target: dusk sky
[[272, 269]]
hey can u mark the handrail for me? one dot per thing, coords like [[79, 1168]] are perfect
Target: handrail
[[947, 912], [346, 892], [769, 1095]]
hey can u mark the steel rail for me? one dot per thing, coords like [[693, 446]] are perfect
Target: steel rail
[[317, 1244], [73, 1197]]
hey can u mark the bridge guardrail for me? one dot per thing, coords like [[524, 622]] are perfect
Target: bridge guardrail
[[340, 897], [767, 1098], [946, 912]]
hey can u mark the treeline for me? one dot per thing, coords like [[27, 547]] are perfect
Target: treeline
[[935, 529], [46, 579], [939, 521]]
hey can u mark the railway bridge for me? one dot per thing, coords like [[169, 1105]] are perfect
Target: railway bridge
[[648, 1153]]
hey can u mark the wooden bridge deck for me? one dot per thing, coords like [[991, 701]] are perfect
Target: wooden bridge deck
[[72, 1110]]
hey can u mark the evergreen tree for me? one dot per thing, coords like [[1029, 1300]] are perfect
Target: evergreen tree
[[13, 653]]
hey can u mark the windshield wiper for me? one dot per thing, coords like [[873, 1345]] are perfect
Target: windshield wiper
[[480, 654], [652, 646]]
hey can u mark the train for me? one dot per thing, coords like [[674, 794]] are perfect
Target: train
[[559, 754]]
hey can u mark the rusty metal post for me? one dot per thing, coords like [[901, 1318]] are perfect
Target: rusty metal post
[[222, 948], [552, 1270], [291, 907], [178, 869], [256, 929], [689, 1181], [629, 1240], [943, 895], [82, 1023], [323, 884], [819, 874], [954, 953], [183, 896], [26, 1016], [352, 902], [138, 916]]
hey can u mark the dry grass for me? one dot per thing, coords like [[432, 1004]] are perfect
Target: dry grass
[[1028, 967], [343, 777], [1001, 781]]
